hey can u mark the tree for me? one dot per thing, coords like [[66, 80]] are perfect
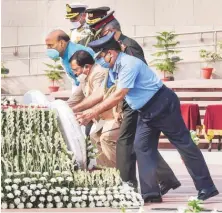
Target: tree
[[166, 58]]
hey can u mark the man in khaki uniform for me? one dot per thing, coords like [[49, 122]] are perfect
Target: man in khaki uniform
[[91, 76]]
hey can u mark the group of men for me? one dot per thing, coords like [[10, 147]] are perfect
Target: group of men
[[114, 88]]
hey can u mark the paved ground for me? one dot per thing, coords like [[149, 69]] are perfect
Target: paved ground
[[175, 198]]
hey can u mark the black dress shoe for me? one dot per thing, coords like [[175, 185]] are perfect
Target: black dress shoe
[[205, 194], [153, 199], [164, 188]]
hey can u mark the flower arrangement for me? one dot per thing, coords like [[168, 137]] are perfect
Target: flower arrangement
[[194, 137], [39, 172], [92, 153], [31, 141], [67, 190]]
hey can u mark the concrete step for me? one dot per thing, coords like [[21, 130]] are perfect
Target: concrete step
[[199, 94]]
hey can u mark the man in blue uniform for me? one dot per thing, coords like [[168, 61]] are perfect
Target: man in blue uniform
[[159, 111]]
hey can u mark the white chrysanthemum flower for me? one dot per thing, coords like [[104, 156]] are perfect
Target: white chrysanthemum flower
[[49, 205], [17, 180], [42, 179], [84, 197], [106, 204], [53, 191], [92, 205], [8, 180], [83, 204], [41, 198], [53, 180], [86, 189], [96, 197], [40, 186], [4, 205], [109, 197], [9, 174], [23, 199], [60, 179], [57, 199], [49, 198], [114, 204], [136, 204], [93, 192], [43, 191], [99, 203], [17, 173], [65, 198], [90, 198], [77, 205], [29, 205], [101, 192], [27, 179], [21, 206], [11, 206], [108, 192], [8, 188], [29, 192], [121, 197], [78, 192], [115, 192], [17, 201], [58, 189], [33, 199], [74, 199], [72, 192], [48, 185], [37, 192], [79, 189], [116, 196], [128, 196], [139, 197], [129, 203], [115, 188], [15, 186], [45, 174], [10, 195], [69, 179], [102, 198], [41, 205], [34, 179], [69, 205], [63, 191], [24, 188], [59, 205]]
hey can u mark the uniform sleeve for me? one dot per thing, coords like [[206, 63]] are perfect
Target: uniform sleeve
[[76, 97], [98, 79], [127, 76]]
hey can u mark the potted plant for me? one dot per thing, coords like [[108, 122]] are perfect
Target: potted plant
[[54, 73], [209, 58], [166, 58]]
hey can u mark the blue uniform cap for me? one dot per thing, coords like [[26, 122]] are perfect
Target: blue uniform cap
[[107, 42]]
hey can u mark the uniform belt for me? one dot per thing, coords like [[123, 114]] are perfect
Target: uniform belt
[[153, 99]]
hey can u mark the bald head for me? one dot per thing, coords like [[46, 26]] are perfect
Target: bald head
[[58, 35], [57, 40]]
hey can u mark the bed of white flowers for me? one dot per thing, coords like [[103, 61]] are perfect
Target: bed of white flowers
[[39, 172]]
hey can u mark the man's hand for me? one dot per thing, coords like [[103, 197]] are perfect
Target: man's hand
[[86, 116]]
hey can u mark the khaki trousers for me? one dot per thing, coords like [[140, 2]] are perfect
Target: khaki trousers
[[105, 140]]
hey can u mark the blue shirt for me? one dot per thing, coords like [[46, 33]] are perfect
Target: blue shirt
[[131, 72], [70, 50]]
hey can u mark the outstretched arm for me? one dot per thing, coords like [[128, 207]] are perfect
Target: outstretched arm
[[89, 102], [110, 102]]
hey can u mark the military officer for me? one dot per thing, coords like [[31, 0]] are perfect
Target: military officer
[[75, 12], [159, 111], [126, 157]]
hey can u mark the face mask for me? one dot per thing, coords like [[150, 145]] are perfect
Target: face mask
[[52, 53], [76, 25], [103, 63], [82, 77]]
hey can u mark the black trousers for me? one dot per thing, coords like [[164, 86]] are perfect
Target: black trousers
[[126, 156], [162, 114]]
